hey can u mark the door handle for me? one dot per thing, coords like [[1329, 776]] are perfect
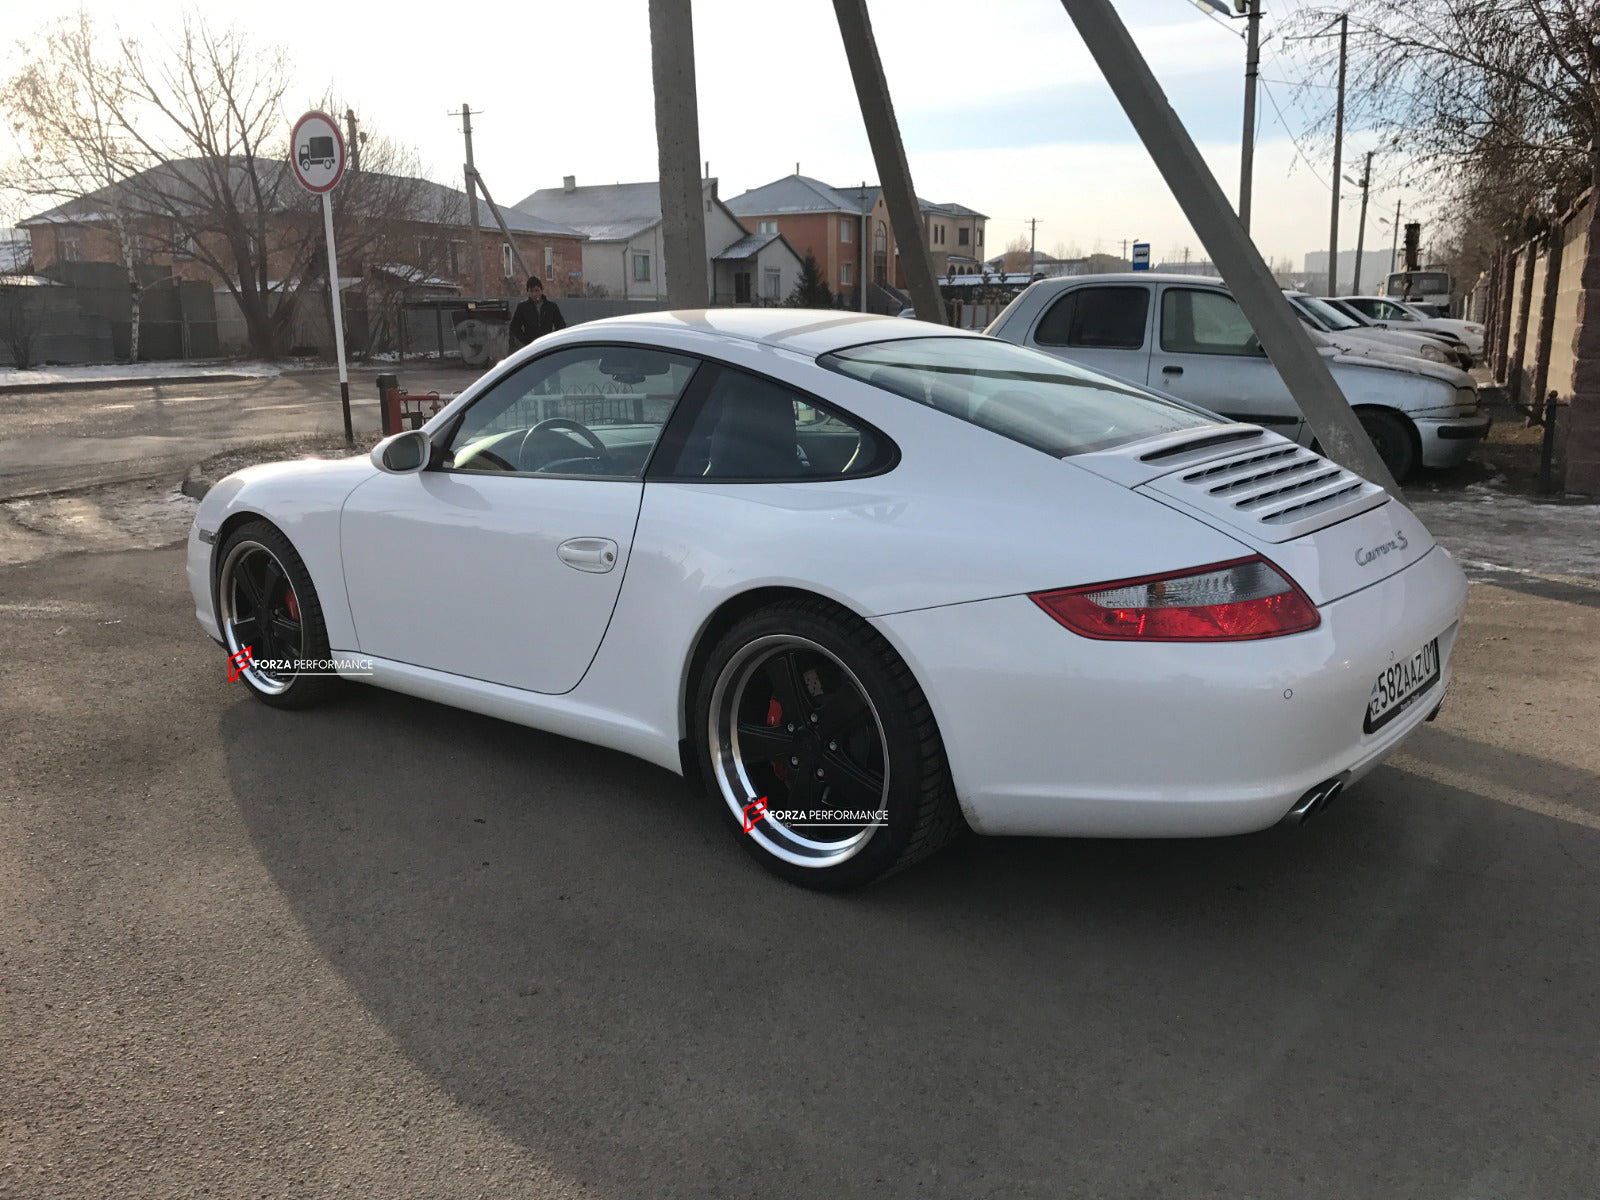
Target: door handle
[[1172, 370], [592, 554]]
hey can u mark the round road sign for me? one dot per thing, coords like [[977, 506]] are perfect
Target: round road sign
[[316, 152]]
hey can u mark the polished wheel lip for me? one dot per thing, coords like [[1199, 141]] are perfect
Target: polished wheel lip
[[271, 685], [728, 768]]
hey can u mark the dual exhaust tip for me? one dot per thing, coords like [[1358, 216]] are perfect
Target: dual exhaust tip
[[1316, 800]]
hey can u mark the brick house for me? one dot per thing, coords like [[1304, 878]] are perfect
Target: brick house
[[401, 227], [848, 230]]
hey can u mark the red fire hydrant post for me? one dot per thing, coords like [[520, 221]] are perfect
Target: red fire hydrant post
[[389, 404]]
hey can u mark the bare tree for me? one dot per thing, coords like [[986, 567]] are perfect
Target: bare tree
[[63, 106], [1018, 255], [1498, 101], [192, 153]]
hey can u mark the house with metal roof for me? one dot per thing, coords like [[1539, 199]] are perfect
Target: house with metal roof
[[623, 255], [848, 230]]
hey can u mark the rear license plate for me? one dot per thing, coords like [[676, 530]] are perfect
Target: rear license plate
[[1401, 686]]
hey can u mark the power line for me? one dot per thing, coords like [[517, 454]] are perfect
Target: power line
[[1294, 141]]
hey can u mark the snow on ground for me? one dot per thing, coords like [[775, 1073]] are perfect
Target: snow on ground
[[1490, 532], [10, 377]]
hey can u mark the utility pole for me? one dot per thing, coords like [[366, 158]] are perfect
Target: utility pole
[[1033, 254], [352, 143], [889, 152], [1338, 150], [1361, 229], [1394, 251], [683, 215], [1209, 214], [471, 173], [1247, 146]]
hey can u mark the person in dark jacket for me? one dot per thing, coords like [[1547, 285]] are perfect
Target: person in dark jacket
[[535, 316]]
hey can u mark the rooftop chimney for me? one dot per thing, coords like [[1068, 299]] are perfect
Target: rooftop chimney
[[569, 183]]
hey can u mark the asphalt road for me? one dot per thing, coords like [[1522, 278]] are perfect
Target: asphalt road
[[388, 949], [97, 435]]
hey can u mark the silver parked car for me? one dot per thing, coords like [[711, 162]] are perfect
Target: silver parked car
[[1186, 336]]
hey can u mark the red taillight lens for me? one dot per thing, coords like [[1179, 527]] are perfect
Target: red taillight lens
[[1225, 602]]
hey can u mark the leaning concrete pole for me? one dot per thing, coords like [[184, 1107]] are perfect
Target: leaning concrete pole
[[1213, 219], [683, 217], [894, 174]]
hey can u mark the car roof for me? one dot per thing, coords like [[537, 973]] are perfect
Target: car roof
[[809, 331], [1125, 277]]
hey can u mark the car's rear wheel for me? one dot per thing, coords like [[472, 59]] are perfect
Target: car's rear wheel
[[1394, 438], [270, 617], [820, 748]]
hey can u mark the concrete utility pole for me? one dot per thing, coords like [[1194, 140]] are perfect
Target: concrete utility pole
[[1247, 146], [862, 266], [494, 209], [1394, 250], [1338, 151], [1033, 254], [471, 173], [894, 174], [1361, 229], [352, 145], [1212, 217], [683, 216]]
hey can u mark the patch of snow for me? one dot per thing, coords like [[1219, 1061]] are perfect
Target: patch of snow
[[1510, 533], [11, 377]]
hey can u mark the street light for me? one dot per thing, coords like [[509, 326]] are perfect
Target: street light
[[1251, 11]]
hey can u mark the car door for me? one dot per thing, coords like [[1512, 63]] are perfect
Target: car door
[[1104, 327], [1206, 353], [502, 561]]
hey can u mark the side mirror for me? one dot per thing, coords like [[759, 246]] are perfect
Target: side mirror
[[403, 453]]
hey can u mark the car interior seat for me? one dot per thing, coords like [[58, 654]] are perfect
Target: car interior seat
[[754, 431]]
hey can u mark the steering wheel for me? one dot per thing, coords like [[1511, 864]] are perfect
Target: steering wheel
[[568, 425]]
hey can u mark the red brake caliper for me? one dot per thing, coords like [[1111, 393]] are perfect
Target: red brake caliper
[[775, 715], [292, 603]]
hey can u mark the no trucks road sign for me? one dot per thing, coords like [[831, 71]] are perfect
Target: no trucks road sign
[[316, 152]]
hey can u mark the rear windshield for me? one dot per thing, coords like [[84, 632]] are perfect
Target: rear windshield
[[1021, 394]]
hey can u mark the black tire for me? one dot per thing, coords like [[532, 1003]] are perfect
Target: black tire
[[831, 658], [294, 624], [1395, 440]]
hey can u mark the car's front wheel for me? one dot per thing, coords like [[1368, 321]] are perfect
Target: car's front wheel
[[820, 748], [1394, 438], [271, 618]]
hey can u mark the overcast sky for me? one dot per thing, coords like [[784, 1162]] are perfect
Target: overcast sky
[[1000, 106]]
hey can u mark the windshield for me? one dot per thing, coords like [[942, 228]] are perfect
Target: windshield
[[1403, 284], [1330, 316], [1020, 394]]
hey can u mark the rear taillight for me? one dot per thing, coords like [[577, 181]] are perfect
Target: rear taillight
[[1224, 602]]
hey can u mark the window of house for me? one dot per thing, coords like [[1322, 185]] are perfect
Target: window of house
[[507, 261], [767, 227], [641, 268], [69, 245], [846, 228], [1203, 322], [455, 258], [549, 262], [751, 429], [1103, 318], [980, 235], [963, 236], [844, 274], [186, 247], [771, 282], [621, 394]]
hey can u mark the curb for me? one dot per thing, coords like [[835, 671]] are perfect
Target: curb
[[93, 385]]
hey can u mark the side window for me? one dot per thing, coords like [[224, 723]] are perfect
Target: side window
[[590, 410], [1197, 322], [752, 429], [1389, 312], [1097, 318]]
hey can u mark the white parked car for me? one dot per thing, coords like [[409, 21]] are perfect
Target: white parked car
[[1389, 313], [1186, 337], [861, 578], [1355, 336]]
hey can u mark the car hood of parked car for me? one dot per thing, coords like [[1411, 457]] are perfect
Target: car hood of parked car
[[1372, 354]]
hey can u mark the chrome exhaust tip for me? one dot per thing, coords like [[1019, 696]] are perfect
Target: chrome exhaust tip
[[1315, 800]]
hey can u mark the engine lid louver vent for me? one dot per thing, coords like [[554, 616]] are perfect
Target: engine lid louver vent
[[1277, 492]]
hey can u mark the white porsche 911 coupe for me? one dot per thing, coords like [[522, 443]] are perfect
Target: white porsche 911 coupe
[[861, 580]]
